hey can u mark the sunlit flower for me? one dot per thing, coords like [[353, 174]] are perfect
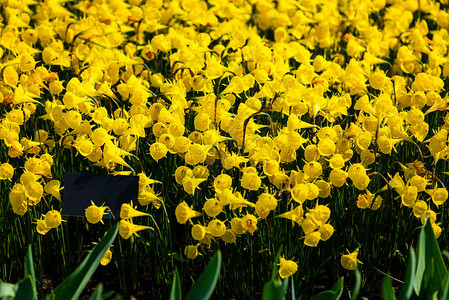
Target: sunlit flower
[[184, 213], [94, 213], [53, 219], [128, 229]]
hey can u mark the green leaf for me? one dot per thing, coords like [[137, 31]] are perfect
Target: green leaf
[[276, 262], [445, 253], [273, 290], [332, 294], [73, 285], [293, 289], [205, 285], [407, 288], [21, 290], [7, 290], [177, 256], [444, 290], [387, 289], [176, 292], [428, 249], [29, 271], [428, 284], [107, 295], [285, 285], [357, 284], [96, 295]]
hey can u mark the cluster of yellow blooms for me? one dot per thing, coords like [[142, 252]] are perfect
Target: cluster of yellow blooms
[[194, 78], [127, 228]]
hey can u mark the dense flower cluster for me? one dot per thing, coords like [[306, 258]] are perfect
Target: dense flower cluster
[[257, 99]]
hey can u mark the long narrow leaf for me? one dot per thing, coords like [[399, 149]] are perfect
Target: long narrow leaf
[[29, 270], [332, 294], [428, 249], [429, 282], [387, 289], [358, 283], [73, 285], [285, 285], [107, 295], [176, 293], [444, 291], [273, 290], [96, 295], [205, 286], [407, 288], [293, 289], [24, 289], [445, 253], [276, 261], [21, 290], [7, 290]]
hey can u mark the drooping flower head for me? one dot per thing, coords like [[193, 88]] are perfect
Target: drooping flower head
[[127, 211], [349, 261], [249, 223], [191, 251], [53, 219], [184, 213], [287, 267], [127, 229], [94, 214]]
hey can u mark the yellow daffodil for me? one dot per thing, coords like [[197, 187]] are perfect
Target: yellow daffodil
[[287, 267], [53, 187], [249, 223], [127, 211], [41, 227], [216, 228], [94, 213], [184, 213], [191, 251], [53, 219], [106, 257], [128, 229], [6, 171], [349, 261]]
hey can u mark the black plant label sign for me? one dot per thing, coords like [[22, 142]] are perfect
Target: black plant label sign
[[80, 189]]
